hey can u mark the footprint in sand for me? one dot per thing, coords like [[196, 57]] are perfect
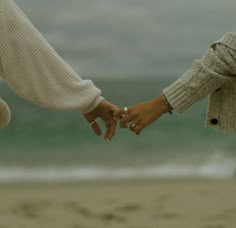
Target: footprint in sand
[[76, 208], [129, 208], [31, 210], [113, 216], [108, 217]]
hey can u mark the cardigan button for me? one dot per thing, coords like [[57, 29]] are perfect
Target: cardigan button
[[214, 121]]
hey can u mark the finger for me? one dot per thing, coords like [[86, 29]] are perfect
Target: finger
[[111, 128], [110, 124], [113, 122], [114, 127], [96, 128], [138, 129], [118, 114], [125, 120], [132, 126], [108, 129]]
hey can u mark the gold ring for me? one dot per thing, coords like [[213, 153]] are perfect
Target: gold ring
[[125, 110], [92, 123]]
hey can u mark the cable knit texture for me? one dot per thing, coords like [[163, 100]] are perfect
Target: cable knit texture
[[214, 75], [33, 69]]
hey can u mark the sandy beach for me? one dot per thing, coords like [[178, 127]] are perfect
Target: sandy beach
[[178, 203]]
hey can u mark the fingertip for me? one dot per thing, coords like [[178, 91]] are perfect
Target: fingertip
[[138, 132], [98, 133], [97, 130], [108, 138]]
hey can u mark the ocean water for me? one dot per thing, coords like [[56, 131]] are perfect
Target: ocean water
[[131, 50], [131, 38], [43, 145]]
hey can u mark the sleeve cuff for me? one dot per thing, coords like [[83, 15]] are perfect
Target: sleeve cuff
[[229, 40], [177, 96], [92, 106]]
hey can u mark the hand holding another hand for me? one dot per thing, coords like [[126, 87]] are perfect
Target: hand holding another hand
[[141, 115], [104, 111]]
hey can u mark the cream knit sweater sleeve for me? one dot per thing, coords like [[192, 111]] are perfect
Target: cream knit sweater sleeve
[[33, 69], [206, 75]]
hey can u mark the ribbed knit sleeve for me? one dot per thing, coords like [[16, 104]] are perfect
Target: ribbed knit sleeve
[[35, 71], [205, 76]]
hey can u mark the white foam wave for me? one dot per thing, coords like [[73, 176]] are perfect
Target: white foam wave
[[217, 165], [56, 174]]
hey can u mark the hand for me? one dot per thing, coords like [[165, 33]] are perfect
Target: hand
[[104, 111], [141, 115]]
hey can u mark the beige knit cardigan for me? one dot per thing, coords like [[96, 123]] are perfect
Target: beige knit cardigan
[[214, 75]]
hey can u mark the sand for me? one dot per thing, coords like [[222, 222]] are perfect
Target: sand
[[178, 203]]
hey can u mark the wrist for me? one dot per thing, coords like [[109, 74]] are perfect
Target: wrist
[[162, 104], [92, 106], [167, 104]]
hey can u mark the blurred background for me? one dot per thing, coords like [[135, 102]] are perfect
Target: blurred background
[[131, 49]]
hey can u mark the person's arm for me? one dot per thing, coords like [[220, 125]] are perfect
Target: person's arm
[[142, 114], [34, 70], [205, 76]]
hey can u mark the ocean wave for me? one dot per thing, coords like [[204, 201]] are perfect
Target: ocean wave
[[57, 174]]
